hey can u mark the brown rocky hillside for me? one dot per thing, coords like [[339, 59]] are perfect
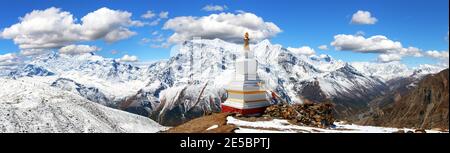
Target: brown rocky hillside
[[425, 106]]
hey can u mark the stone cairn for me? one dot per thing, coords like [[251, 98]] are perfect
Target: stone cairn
[[311, 114]]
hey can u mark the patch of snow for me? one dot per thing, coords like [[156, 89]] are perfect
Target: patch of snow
[[212, 127], [279, 125]]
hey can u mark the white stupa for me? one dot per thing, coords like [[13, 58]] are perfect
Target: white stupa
[[245, 94]]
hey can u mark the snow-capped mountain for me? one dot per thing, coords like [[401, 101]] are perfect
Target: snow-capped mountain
[[91, 93], [395, 70], [295, 78], [112, 80], [28, 105], [30, 70]]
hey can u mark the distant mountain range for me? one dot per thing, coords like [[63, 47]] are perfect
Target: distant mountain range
[[168, 90]]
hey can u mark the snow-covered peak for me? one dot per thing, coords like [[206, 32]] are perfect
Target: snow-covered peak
[[393, 70], [425, 69], [89, 65]]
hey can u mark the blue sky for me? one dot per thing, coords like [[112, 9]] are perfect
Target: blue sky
[[417, 23]]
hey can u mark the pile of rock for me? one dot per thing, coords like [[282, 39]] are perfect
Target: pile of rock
[[313, 114]]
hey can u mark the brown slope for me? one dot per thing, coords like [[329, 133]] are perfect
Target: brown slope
[[426, 106]]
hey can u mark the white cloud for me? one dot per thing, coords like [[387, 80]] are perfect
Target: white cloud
[[156, 39], [8, 59], [118, 34], [323, 47], [438, 54], [374, 44], [211, 7], [164, 15], [9, 56], [155, 32], [144, 40], [102, 22], [155, 22], [304, 50], [385, 58], [389, 50], [128, 58], [43, 29], [148, 15], [161, 45], [52, 28], [324, 56], [240, 11], [33, 51], [226, 26], [78, 49], [159, 38], [363, 17]]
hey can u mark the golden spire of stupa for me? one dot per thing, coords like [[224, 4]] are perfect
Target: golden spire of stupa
[[246, 42]]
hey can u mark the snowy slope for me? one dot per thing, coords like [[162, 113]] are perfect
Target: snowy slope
[[283, 126], [101, 80], [30, 106]]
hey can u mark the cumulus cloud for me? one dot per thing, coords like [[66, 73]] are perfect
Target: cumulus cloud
[[385, 58], [100, 23], [304, 50], [374, 44], [8, 56], [164, 15], [148, 15], [33, 51], [78, 49], [53, 28], [389, 50], [226, 26], [323, 47], [438, 54], [128, 58], [363, 17], [211, 7], [8, 59], [118, 34]]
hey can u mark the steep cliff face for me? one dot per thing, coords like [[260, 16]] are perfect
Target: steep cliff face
[[426, 105]]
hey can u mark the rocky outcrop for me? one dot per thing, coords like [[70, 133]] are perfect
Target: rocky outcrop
[[425, 106], [312, 114]]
